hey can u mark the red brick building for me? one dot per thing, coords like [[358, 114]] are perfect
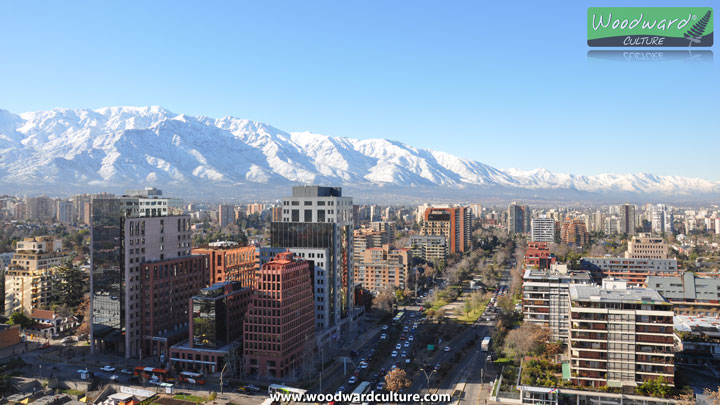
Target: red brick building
[[230, 262], [280, 324], [166, 286], [538, 255], [574, 232]]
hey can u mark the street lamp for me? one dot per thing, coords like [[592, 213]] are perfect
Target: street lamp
[[427, 377], [221, 378]]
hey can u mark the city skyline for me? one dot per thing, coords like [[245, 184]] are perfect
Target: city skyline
[[369, 72]]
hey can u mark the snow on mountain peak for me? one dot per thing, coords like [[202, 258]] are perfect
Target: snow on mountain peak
[[117, 146]]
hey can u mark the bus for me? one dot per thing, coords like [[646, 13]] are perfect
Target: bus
[[485, 345], [398, 318], [150, 373], [192, 378], [283, 389], [362, 388]]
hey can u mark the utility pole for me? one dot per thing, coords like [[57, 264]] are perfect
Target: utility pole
[[427, 377]]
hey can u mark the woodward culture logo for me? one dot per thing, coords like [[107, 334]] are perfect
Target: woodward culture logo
[[650, 26]]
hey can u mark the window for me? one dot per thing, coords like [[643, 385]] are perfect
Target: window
[[308, 215]]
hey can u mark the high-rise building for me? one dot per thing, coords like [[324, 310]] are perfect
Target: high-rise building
[[166, 287], [574, 232], [647, 247], [545, 298], [226, 215], [381, 267], [518, 218], [30, 276], [64, 212], [662, 219], [39, 209], [453, 223], [626, 214], [476, 211], [126, 232], [619, 336], [216, 321], [279, 328], [230, 262], [542, 229], [317, 223]]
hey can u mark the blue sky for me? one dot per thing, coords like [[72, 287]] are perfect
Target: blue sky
[[507, 83]]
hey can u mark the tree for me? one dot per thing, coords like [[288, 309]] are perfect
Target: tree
[[713, 396], [525, 339], [70, 285], [396, 379], [655, 388], [505, 303], [83, 314], [19, 318], [385, 299]]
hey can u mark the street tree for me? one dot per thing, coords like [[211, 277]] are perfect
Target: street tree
[[396, 379]]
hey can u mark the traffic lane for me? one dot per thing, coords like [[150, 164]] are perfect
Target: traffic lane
[[420, 380]]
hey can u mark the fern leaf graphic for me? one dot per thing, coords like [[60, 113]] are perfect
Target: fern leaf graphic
[[695, 33]]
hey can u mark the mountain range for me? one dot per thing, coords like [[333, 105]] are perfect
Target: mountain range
[[66, 150]]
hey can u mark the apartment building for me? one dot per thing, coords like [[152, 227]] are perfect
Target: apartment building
[[690, 294], [382, 267], [545, 298], [647, 247], [538, 255], [574, 232], [518, 218], [29, 278], [542, 230], [454, 223], [619, 336], [635, 271], [430, 248]]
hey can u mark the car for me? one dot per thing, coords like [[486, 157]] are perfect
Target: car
[[126, 371], [393, 354], [489, 357], [407, 343], [352, 380], [398, 346], [252, 388], [363, 365], [108, 368], [437, 367], [408, 361], [447, 348], [411, 338], [406, 329], [380, 386], [384, 327], [394, 366], [383, 336], [114, 377], [403, 354], [81, 371]]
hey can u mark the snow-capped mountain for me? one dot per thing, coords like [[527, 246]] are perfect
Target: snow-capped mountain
[[135, 146]]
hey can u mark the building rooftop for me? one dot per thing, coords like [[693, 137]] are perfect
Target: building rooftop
[[580, 292], [707, 325]]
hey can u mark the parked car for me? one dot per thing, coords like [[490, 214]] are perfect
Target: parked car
[[385, 327], [108, 368], [126, 371], [447, 348]]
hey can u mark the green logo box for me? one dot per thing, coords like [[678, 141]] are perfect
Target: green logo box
[[652, 27]]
